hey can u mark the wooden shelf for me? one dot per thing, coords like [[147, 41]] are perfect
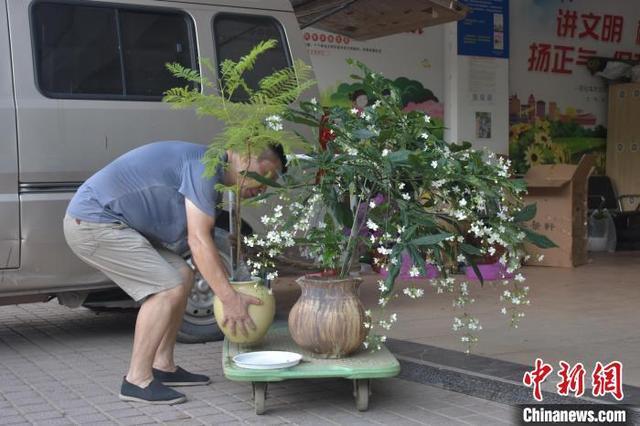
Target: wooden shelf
[[368, 19]]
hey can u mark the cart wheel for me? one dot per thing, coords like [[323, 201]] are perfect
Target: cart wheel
[[362, 392], [259, 396]]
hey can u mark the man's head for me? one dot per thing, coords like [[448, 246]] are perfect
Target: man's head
[[270, 163]]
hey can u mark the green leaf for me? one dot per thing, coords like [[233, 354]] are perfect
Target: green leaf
[[471, 250], [364, 134], [399, 157], [538, 240], [343, 215], [417, 259], [392, 274], [527, 213], [262, 179], [475, 268], [431, 240]]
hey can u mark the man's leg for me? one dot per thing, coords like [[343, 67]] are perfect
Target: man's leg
[[155, 319], [129, 259], [164, 359]]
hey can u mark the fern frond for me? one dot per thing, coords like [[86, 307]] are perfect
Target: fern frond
[[284, 86], [180, 71], [232, 72], [181, 97]]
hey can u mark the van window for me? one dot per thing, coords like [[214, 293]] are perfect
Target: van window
[[235, 35], [106, 52]]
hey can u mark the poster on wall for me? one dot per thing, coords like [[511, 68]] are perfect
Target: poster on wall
[[411, 61], [483, 125], [485, 30], [557, 107]]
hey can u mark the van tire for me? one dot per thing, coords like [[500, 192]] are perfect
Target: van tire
[[194, 333]]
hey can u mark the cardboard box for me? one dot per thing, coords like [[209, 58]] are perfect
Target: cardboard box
[[560, 193]]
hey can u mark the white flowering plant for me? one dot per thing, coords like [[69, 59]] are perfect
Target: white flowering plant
[[386, 184], [252, 116]]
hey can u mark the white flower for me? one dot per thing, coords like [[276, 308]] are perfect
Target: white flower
[[461, 258], [352, 151], [434, 164], [372, 225], [372, 204], [427, 119], [491, 251], [541, 258], [373, 239], [424, 135], [519, 278], [401, 186], [385, 152], [413, 293], [368, 312], [314, 101], [406, 196], [414, 272], [503, 311], [272, 275], [354, 111], [462, 202], [438, 183], [384, 251], [274, 122]]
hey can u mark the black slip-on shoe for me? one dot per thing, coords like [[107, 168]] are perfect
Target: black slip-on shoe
[[154, 393], [180, 377]]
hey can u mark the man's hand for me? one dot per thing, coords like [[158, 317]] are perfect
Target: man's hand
[[236, 313]]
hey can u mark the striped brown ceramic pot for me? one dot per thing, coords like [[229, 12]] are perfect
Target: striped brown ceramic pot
[[328, 318]]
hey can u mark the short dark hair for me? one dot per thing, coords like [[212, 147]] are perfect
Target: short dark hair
[[279, 152]]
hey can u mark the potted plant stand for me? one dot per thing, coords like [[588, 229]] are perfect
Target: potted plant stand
[[361, 367]]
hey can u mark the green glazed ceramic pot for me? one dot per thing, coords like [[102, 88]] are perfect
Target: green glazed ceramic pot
[[262, 315]]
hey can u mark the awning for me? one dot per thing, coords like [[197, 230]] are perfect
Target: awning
[[367, 19]]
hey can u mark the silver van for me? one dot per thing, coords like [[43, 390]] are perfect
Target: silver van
[[81, 83]]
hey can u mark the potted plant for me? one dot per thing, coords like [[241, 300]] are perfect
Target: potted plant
[[382, 180], [250, 127]]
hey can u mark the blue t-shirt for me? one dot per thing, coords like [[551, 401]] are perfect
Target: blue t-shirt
[[145, 189]]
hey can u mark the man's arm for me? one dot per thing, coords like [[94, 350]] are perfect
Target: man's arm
[[207, 259]]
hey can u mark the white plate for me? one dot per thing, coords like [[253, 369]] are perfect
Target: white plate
[[267, 360]]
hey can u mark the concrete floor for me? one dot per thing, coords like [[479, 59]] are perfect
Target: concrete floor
[[61, 366], [585, 314]]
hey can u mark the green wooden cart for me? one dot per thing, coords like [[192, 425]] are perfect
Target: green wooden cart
[[360, 367]]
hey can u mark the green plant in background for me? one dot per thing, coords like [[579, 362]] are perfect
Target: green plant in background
[[384, 183], [545, 141], [531, 144], [251, 126]]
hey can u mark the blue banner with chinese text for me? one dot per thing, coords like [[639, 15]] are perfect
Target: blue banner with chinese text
[[485, 30]]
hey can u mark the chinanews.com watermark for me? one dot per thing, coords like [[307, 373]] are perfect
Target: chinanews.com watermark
[[560, 414], [605, 380]]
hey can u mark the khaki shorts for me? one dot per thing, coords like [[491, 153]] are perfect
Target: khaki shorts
[[125, 256]]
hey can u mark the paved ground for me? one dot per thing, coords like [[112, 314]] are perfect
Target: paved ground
[[584, 314], [62, 366]]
